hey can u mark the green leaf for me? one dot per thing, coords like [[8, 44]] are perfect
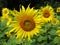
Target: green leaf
[[4, 43], [40, 38], [26, 42], [3, 25], [58, 17], [56, 40], [52, 32], [12, 39], [2, 35], [44, 43]]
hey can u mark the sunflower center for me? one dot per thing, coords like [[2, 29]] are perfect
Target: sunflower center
[[46, 14], [27, 23], [5, 12], [54, 21]]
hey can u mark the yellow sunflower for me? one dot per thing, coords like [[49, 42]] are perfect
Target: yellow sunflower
[[26, 23], [5, 16], [58, 32], [55, 21], [58, 9], [47, 13], [5, 11]]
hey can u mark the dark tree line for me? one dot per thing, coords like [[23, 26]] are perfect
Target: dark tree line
[[11, 4]]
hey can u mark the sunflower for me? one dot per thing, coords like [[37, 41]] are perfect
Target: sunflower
[[55, 21], [26, 23], [5, 11], [58, 32], [47, 13], [58, 9], [5, 16]]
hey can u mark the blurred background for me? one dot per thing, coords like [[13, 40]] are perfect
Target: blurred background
[[11, 4]]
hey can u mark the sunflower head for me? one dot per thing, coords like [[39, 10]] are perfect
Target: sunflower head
[[54, 21], [15, 12], [58, 32], [46, 13], [5, 16], [58, 9], [26, 23], [5, 11]]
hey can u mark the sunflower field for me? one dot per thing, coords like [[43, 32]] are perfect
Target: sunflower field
[[31, 26]]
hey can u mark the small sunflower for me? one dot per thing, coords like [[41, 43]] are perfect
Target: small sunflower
[[58, 9], [55, 21], [5, 11], [5, 16], [47, 13], [26, 23], [58, 32]]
